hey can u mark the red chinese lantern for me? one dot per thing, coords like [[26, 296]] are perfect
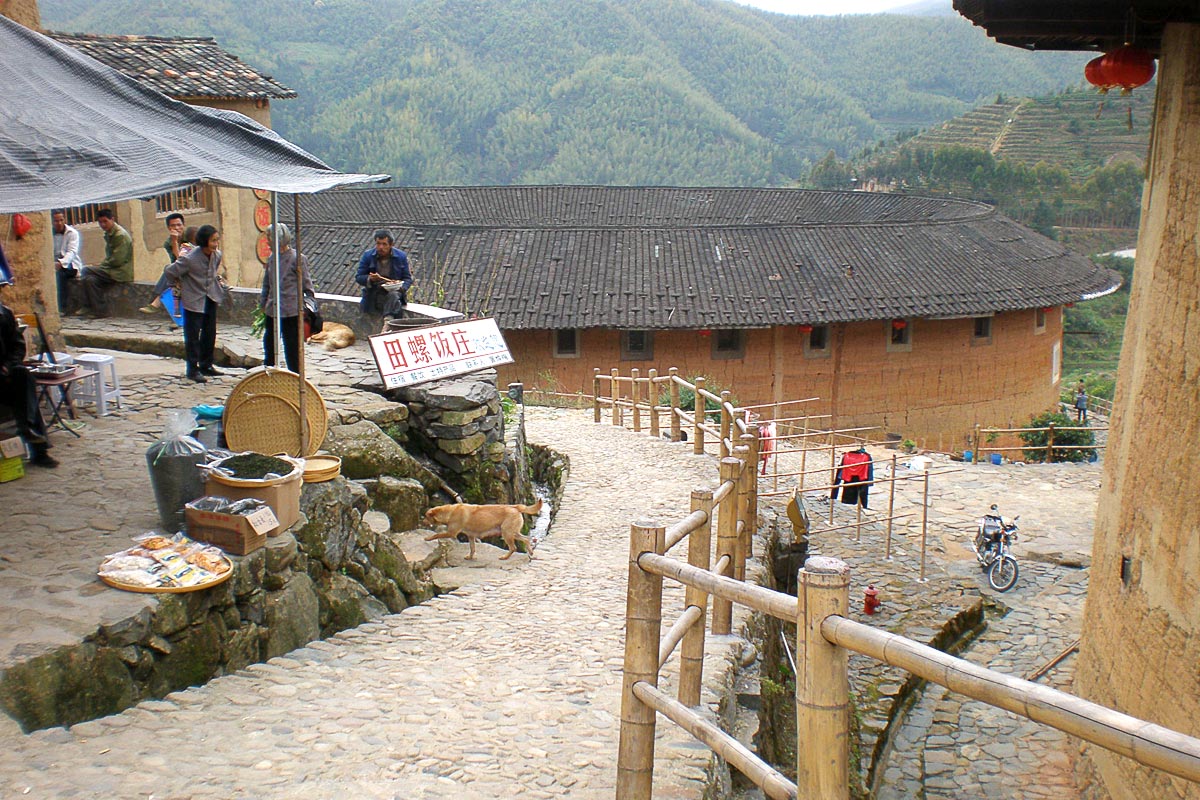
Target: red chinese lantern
[[1128, 67], [705, 332], [1125, 68], [806, 328], [1047, 309], [1097, 75], [899, 324]]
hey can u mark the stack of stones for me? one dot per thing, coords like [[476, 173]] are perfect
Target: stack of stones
[[459, 423]]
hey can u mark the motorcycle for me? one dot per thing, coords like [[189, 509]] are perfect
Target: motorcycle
[[992, 543]]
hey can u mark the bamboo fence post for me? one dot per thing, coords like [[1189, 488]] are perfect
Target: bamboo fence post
[[858, 520], [823, 688], [727, 516], [978, 444], [698, 432], [887, 554], [1050, 444], [653, 401], [832, 474], [726, 425], [635, 391], [643, 621], [691, 654], [745, 475], [596, 394], [616, 413], [803, 452], [924, 522], [751, 519], [674, 404]]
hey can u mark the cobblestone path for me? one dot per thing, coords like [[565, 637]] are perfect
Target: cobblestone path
[[501, 690]]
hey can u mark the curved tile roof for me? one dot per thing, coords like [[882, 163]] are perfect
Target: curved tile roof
[[658, 257], [178, 66]]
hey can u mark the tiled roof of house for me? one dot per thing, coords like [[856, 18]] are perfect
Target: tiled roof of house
[[548, 257], [178, 66]]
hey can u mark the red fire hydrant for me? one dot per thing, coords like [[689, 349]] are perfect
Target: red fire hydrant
[[870, 599]]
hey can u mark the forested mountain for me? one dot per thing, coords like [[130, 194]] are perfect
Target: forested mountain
[[683, 92]]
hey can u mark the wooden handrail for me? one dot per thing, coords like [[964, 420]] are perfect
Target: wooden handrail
[[672, 638], [1144, 742], [772, 782]]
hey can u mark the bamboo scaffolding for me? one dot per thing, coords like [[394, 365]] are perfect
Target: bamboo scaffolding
[[771, 781]]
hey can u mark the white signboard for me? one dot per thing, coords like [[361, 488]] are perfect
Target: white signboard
[[409, 357]]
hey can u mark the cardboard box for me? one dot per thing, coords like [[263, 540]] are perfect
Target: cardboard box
[[234, 533], [11, 469], [12, 448], [283, 497]]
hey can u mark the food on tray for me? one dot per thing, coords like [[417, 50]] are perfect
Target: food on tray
[[126, 560], [164, 563], [135, 577], [156, 542], [217, 565]]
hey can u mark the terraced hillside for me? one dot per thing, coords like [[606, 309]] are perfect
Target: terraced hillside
[[1077, 130]]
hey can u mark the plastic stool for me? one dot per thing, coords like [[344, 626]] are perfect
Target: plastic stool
[[101, 388]]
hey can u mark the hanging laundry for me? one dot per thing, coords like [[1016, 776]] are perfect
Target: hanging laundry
[[855, 473]]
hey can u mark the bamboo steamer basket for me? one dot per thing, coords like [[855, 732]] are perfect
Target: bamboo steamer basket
[[262, 414]]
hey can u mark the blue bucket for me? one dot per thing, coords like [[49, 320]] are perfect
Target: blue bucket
[[968, 455], [996, 459]]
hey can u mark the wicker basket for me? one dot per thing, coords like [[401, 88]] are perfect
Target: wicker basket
[[262, 414]]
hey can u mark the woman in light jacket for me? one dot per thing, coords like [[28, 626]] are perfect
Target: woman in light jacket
[[202, 289], [289, 277]]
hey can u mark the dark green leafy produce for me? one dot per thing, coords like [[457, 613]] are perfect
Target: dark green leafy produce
[[251, 466]]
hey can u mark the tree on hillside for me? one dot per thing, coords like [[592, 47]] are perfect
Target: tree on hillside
[[829, 173]]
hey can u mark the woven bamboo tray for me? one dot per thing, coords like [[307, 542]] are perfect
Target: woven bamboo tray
[[321, 468], [262, 414], [129, 587]]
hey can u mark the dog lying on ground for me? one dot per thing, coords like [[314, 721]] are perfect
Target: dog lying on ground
[[334, 335], [479, 521]]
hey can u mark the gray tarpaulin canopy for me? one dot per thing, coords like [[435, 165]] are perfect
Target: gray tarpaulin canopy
[[74, 131]]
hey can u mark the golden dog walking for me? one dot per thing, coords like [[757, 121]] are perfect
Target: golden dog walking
[[479, 521]]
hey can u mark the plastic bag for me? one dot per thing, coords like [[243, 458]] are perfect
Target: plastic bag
[[174, 462]]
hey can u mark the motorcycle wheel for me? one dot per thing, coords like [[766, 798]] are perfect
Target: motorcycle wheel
[[1003, 574]]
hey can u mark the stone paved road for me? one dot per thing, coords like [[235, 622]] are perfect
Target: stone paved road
[[496, 690]]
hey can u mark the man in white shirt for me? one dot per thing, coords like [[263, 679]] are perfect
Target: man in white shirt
[[67, 261]]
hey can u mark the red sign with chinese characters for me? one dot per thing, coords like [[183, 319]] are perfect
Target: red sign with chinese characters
[[409, 357]]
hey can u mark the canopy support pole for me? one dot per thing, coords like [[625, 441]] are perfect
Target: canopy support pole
[[300, 332]]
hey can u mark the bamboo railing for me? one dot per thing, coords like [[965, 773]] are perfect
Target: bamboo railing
[[1049, 446], [825, 638]]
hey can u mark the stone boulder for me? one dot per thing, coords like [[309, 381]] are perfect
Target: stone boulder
[[333, 519], [367, 452], [292, 616], [404, 500]]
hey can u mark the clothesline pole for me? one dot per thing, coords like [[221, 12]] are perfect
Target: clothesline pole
[[858, 519], [803, 453], [924, 524], [832, 472], [887, 553]]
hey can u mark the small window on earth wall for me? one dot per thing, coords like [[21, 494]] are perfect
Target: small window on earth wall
[[1039, 320], [637, 345], [566, 343], [728, 344], [899, 336], [195, 198], [816, 342], [983, 331]]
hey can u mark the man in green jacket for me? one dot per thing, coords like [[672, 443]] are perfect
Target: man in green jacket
[[117, 266]]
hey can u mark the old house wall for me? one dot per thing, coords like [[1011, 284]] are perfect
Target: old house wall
[[1141, 628], [934, 392]]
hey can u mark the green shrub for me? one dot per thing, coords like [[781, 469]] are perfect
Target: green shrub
[[1061, 437], [687, 399]]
